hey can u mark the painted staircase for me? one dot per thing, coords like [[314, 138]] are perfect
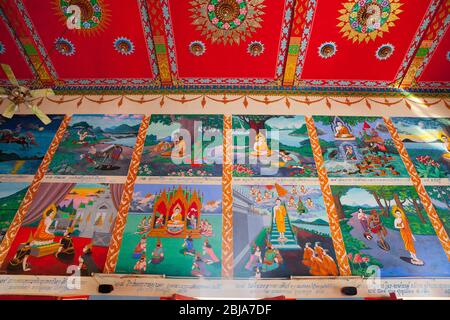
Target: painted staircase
[[291, 241]]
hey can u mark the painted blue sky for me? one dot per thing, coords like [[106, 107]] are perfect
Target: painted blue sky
[[416, 125], [30, 123], [286, 123], [9, 188], [108, 120], [209, 192], [358, 197]]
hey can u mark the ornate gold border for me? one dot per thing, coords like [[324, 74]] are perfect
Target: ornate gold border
[[267, 99], [336, 235], [417, 182], [127, 195], [227, 199], [26, 202]]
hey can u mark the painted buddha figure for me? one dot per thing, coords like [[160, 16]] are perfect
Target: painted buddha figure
[[341, 131], [176, 217], [260, 147], [42, 233], [179, 150], [446, 141]]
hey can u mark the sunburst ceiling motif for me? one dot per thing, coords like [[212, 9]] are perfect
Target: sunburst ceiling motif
[[365, 20], [93, 14], [227, 21]]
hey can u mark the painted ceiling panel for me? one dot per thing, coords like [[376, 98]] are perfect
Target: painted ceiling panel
[[438, 68], [249, 52], [10, 53], [362, 55], [92, 52], [240, 44]]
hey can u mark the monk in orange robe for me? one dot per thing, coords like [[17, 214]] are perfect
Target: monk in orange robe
[[316, 264], [401, 223], [308, 252], [319, 250]]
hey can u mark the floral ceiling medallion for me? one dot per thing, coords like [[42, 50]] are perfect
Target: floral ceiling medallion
[[327, 50], [227, 21], [93, 15], [197, 48], [365, 20], [255, 48], [385, 51], [124, 46], [64, 47]]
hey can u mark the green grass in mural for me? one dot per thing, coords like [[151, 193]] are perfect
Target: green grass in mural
[[9, 206], [174, 263]]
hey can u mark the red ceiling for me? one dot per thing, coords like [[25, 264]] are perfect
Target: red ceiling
[[438, 69], [96, 58], [12, 55], [357, 61], [227, 61]]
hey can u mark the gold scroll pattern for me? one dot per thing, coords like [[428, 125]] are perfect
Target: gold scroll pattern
[[423, 195], [227, 199], [127, 195], [26, 202], [338, 241]]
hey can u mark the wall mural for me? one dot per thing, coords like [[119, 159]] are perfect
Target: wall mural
[[173, 230], [281, 231], [358, 147], [281, 228], [428, 144], [275, 146], [97, 145], [387, 227], [67, 229], [183, 145], [24, 140]]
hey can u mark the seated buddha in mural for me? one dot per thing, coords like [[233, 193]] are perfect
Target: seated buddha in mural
[[260, 147], [342, 132], [43, 235], [175, 223], [176, 217], [446, 141], [178, 149]]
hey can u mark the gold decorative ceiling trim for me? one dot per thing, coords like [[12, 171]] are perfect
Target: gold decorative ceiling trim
[[266, 100]]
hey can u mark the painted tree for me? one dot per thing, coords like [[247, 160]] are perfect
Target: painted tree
[[440, 193], [188, 122], [383, 196], [255, 122], [338, 192], [408, 195], [401, 195]]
